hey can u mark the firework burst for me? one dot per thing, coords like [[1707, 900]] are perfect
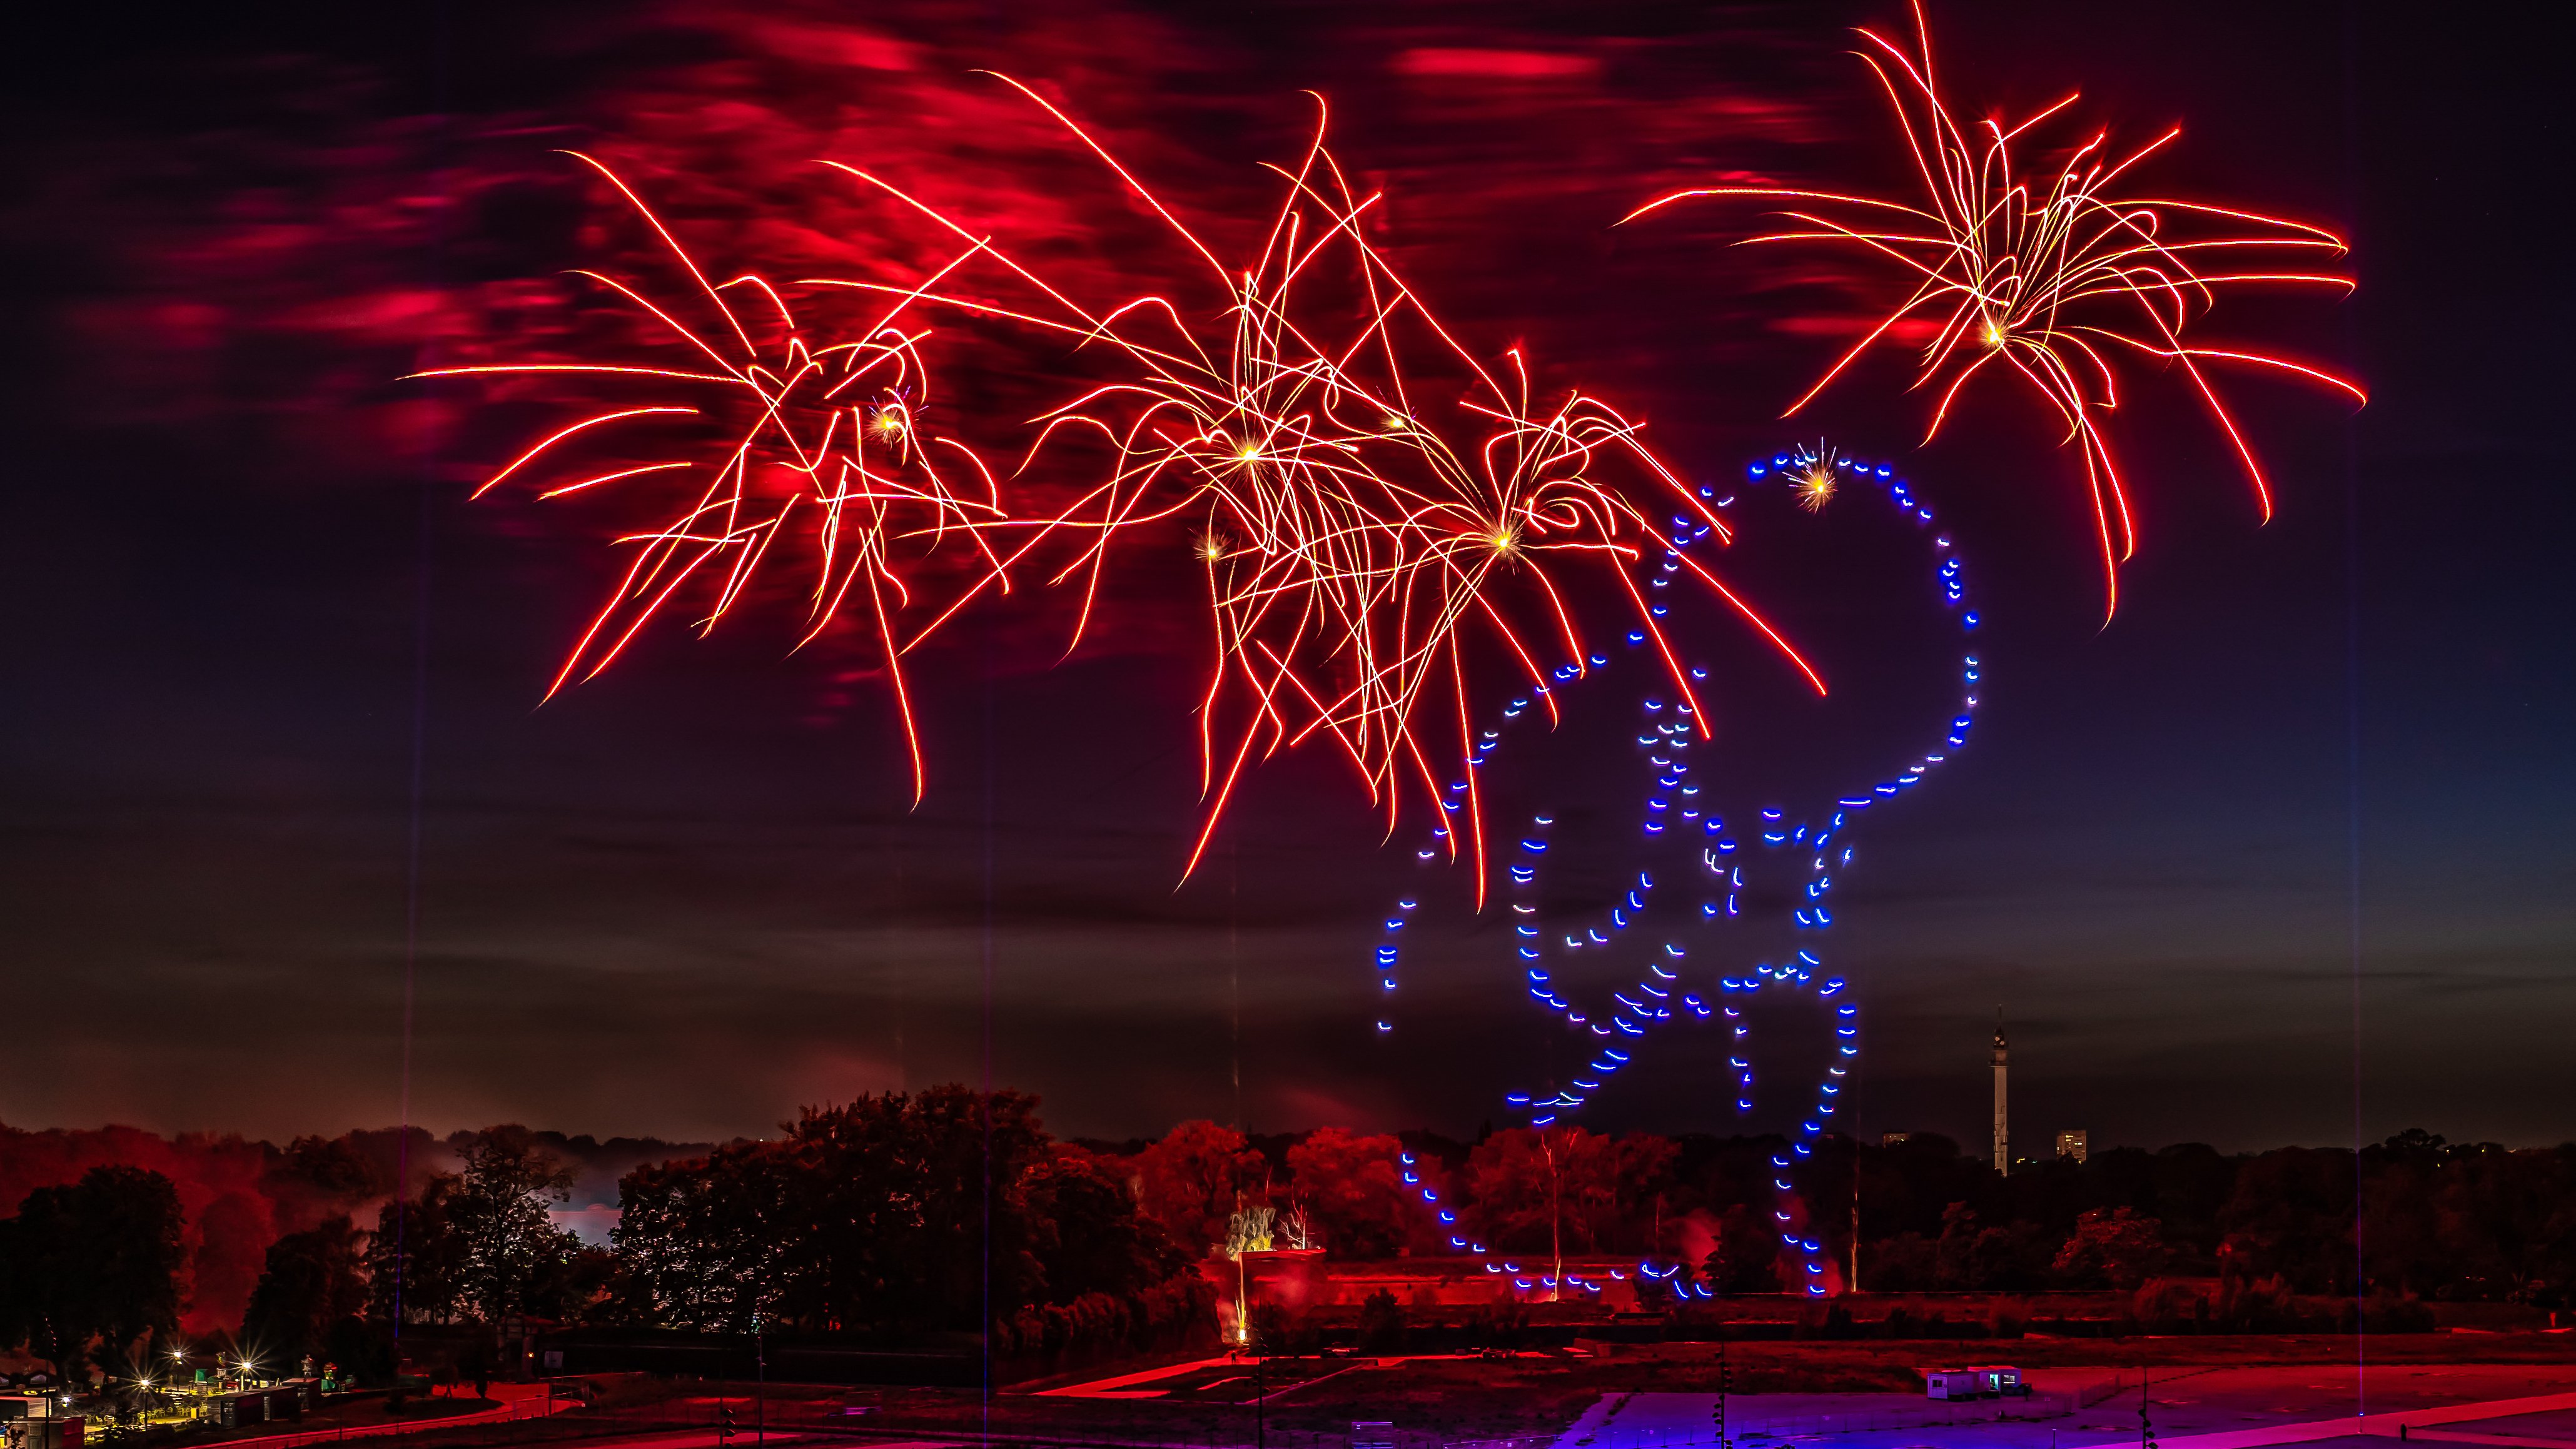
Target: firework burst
[[1355, 557], [2053, 276], [1367, 537], [783, 434], [1814, 473]]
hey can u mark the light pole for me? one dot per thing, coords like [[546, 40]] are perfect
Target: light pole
[[1722, 1441], [1555, 1217], [1854, 1287]]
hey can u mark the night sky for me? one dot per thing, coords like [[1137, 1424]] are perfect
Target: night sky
[[690, 896]]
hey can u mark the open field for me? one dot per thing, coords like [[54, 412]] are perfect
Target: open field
[[1660, 1393], [368, 1416]]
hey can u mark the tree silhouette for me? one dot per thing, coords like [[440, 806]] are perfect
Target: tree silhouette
[[94, 1263]]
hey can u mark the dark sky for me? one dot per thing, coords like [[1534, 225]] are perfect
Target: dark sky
[[688, 897]]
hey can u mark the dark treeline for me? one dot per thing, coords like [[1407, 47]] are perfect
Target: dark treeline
[[2439, 1220], [905, 1214], [870, 1219], [239, 1195], [874, 1219]]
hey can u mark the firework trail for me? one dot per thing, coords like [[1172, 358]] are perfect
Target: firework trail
[[2052, 276], [1368, 538]]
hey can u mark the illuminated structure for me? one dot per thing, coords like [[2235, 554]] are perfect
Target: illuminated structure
[[2003, 1131], [2072, 1144], [1609, 983]]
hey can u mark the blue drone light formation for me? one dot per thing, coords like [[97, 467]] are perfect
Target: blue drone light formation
[[1673, 819]]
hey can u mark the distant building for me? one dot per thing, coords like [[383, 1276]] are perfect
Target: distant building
[[1890, 1139], [2071, 1144], [2003, 1135]]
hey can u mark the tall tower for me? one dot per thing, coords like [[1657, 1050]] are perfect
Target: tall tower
[[2003, 1134]]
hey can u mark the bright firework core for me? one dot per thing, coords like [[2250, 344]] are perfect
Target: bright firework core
[[1813, 474]]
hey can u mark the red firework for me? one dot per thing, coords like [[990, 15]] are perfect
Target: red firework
[[795, 437], [2048, 276], [1350, 547]]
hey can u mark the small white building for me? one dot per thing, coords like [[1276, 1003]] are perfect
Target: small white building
[[1981, 1381]]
